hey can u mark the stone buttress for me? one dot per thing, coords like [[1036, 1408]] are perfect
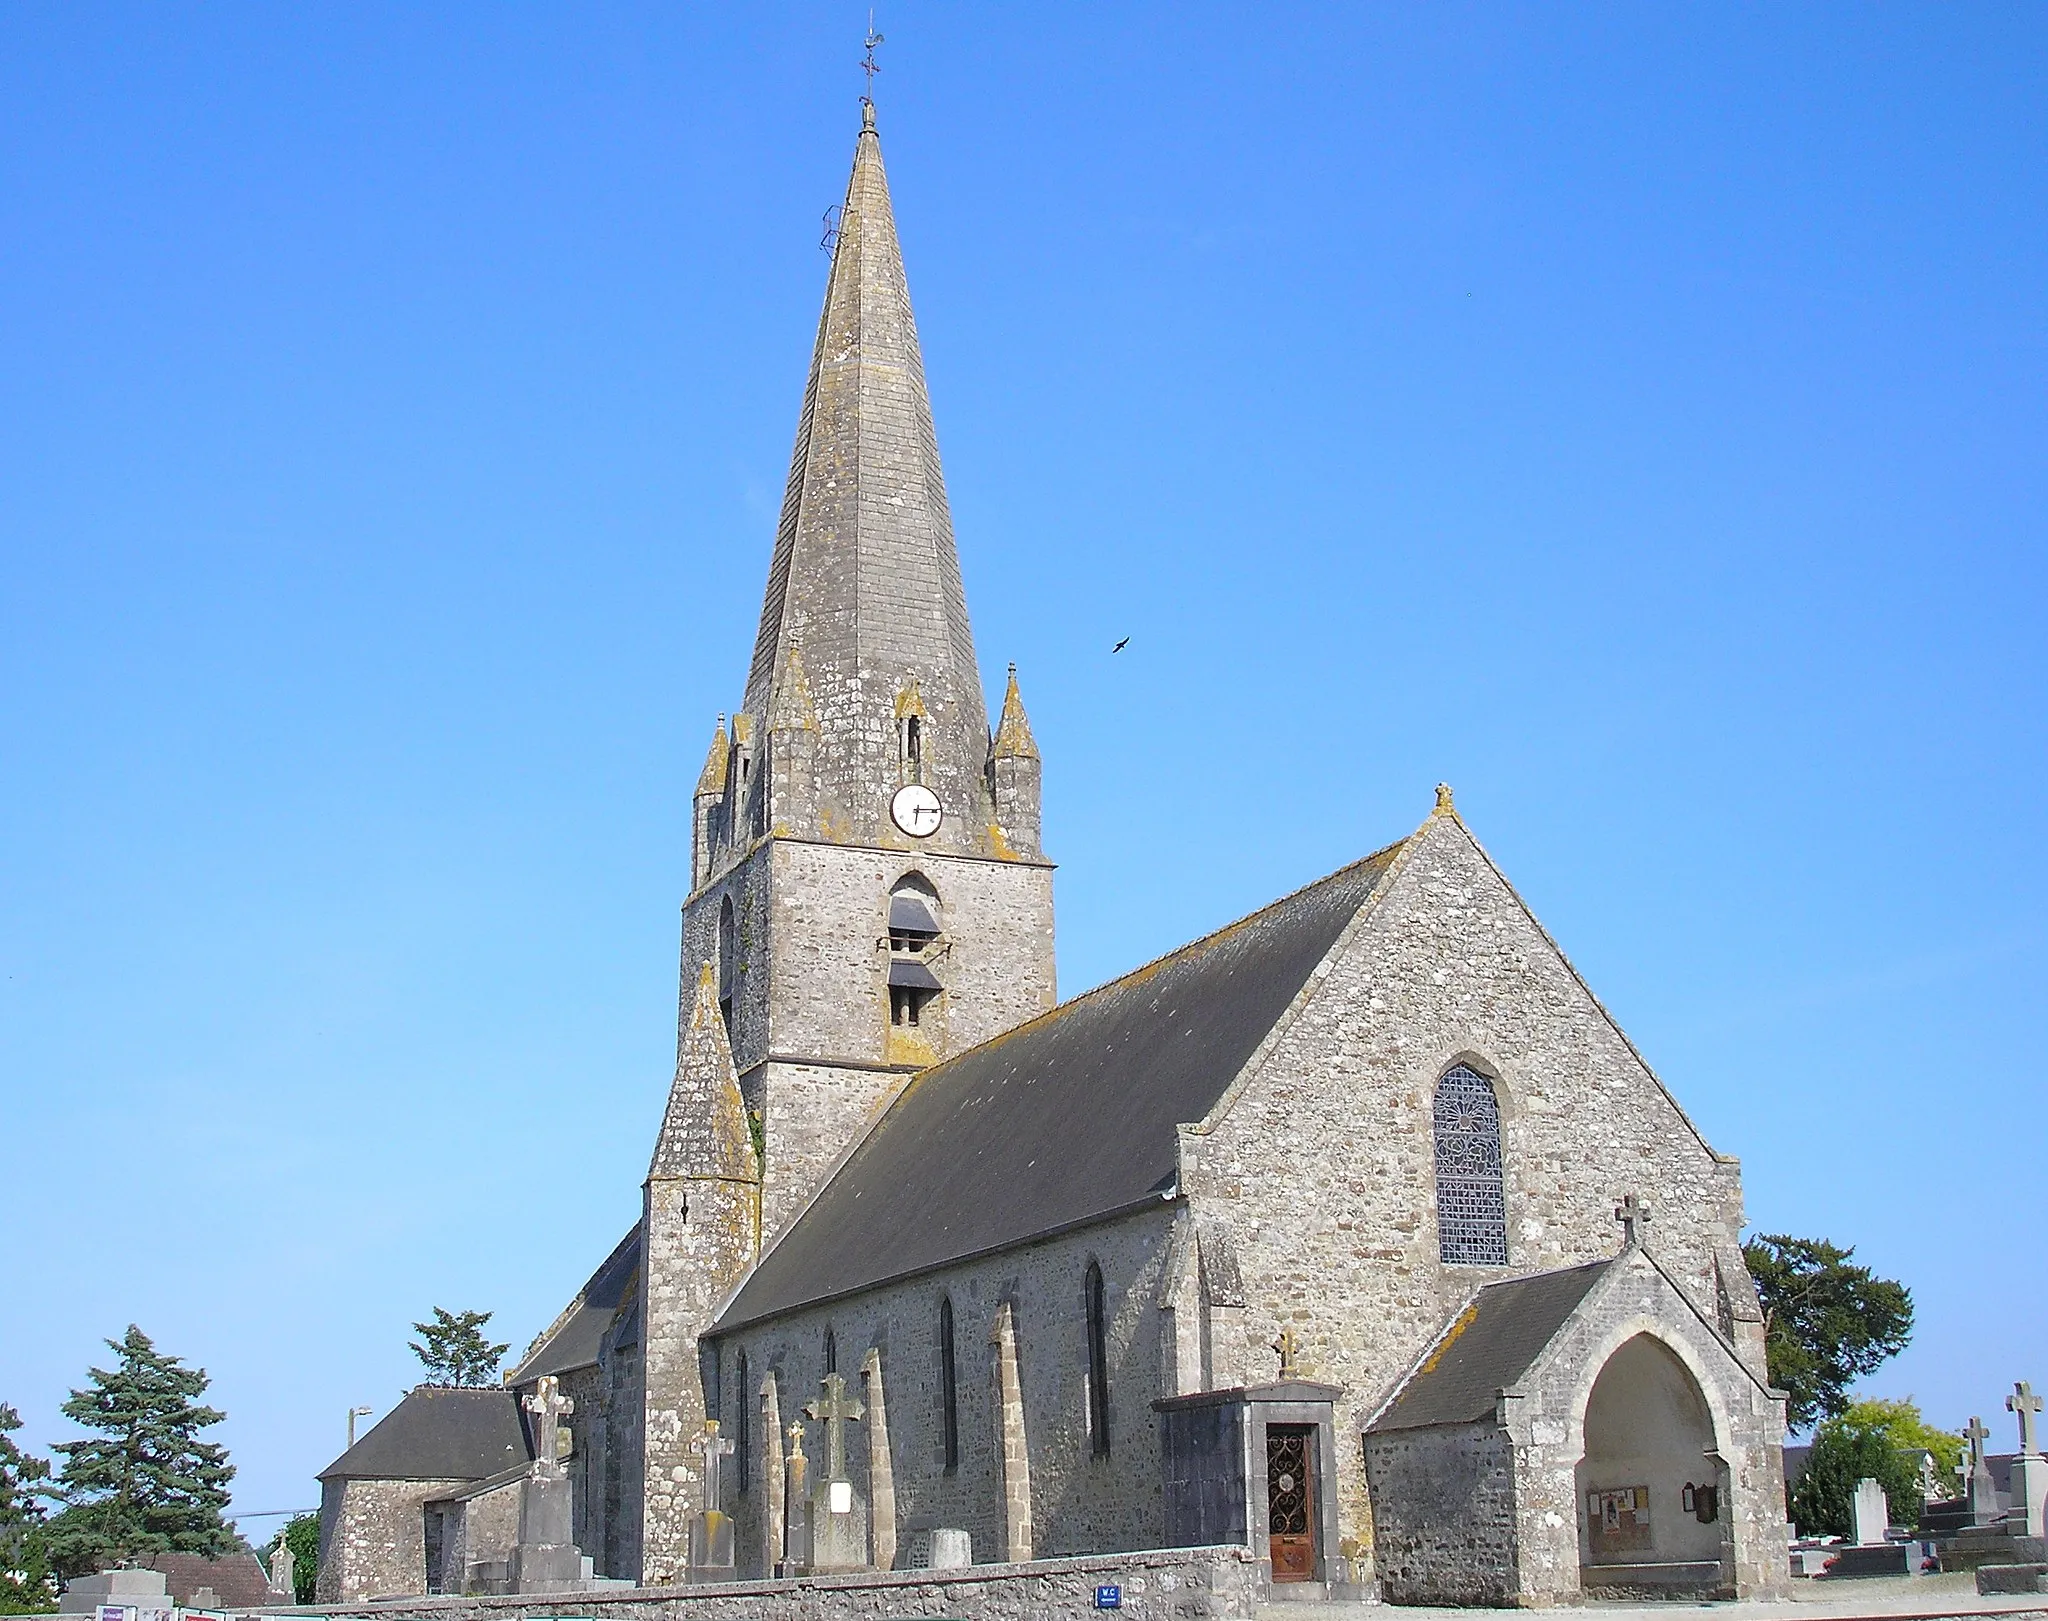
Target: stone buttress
[[701, 1221]]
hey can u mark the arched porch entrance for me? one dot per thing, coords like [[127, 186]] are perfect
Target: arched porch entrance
[[1652, 1484]]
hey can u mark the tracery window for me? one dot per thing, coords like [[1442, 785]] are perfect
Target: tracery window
[[1098, 1365], [1471, 1208]]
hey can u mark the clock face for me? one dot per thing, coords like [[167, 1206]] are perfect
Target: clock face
[[916, 810]]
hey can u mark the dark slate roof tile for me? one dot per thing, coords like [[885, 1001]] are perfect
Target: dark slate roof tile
[[439, 1433], [1066, 1119], [1488, 1347]]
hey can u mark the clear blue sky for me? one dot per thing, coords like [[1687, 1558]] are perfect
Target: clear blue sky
[[1633, 415]]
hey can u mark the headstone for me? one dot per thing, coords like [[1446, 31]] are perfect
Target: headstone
[[711, 1538], [796, 1507], [1980, 1490], [135, 1590], [952, 1549], [1870, 1513], [2028, 1485], [546, 1559], [839, 1519], [281, 1572]]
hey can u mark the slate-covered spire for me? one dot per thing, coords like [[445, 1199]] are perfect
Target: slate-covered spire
[[865, 572]]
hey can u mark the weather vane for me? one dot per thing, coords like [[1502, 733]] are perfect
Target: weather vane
[[868, 64]]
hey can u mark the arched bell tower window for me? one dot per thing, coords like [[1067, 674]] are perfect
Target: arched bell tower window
[[1471, 1208], [916, 945], [728, 962]]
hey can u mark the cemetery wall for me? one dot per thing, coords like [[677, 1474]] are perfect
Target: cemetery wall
[[373, 1536], [1081, 1503], [1321, 1167], [1445, 1514], [1174, 1584]]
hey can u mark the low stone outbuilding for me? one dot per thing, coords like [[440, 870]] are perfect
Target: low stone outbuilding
[[376, 1534], [1581, 1432]]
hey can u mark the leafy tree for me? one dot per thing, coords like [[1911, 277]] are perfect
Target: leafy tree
[[301, 1534], [1826, 1322], [148, 1484], [1878, 1440], [26, 1587], [455, 1351]]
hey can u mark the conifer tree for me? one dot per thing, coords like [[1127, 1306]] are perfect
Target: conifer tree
[[454, 1351], [25, 1584], [146, 1484]]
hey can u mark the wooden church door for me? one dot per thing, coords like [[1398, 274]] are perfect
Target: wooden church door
[[1290, 1500]]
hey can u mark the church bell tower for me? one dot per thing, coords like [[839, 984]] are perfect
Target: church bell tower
[[868, 892]]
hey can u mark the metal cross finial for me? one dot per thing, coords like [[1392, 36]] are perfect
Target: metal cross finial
[[1287, 1346], [2024, 1404], [1634, 1216], [868, 64]]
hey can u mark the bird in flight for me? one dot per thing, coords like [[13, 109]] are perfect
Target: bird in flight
[[1120, 646]]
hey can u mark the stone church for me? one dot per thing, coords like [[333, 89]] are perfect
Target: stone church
[[1356, 1233]]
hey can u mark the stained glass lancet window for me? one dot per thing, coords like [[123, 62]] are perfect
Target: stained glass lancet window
[[1471, 1211]]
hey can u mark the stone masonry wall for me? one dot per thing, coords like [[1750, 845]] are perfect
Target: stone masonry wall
[[811, 1003], [1547, 1426], [1444, 1506], [1177, 1584], [1322, 1165], [1080, 1503], [373, 1537]]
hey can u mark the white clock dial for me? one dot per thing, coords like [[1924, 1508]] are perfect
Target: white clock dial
[[916, 810]]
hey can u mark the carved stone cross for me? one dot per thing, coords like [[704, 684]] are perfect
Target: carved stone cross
[[713, 1448], [1287, 1345], [1975, 1434], [1634, 1216], [548, 1406], [2024, 1404], [834, 1411]]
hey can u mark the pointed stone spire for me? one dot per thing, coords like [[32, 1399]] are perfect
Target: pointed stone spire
[[711, 780], [1013, 733], [1014, 778], [705, 1131], [865, 570]]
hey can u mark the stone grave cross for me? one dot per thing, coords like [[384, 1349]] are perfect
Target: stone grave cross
[[1975, 1434], [2024, 1404], [834, 1411], [714, 1449], [548, 1406], [1634, 1216]]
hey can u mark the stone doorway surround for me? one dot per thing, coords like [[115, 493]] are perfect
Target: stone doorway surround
[[1214, 1449]]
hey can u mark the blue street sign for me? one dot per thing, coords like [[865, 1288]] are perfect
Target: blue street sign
[[1109, 1598]]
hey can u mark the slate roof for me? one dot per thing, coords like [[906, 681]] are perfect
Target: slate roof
[[238, 1580], [439, 1433], [1067, 1119], [1488, 1347], [573, 1339]]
